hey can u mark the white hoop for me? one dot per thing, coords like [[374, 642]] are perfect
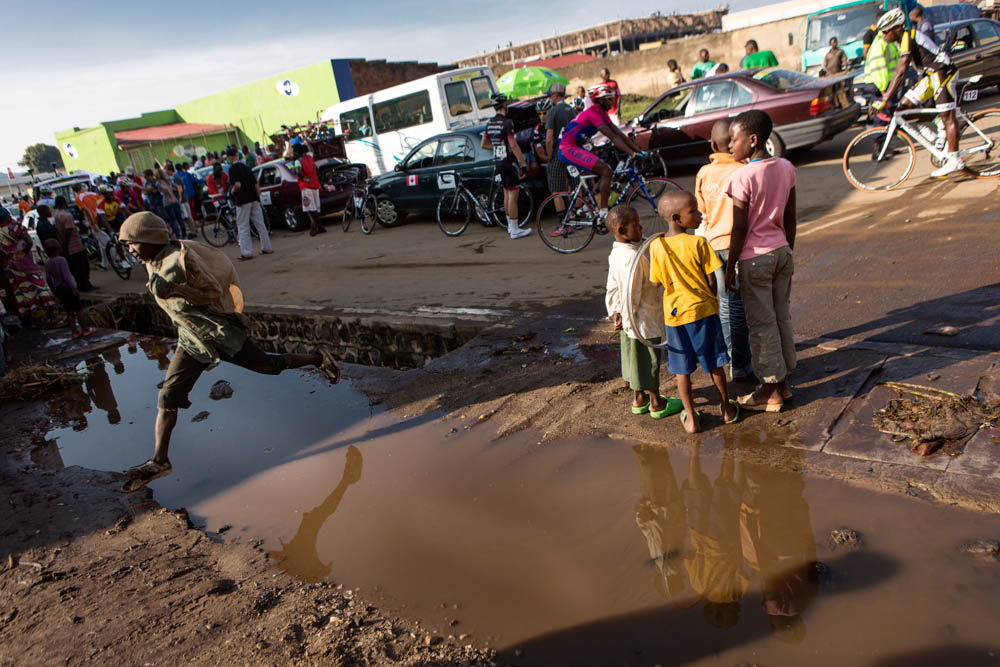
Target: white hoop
[[628, 292]]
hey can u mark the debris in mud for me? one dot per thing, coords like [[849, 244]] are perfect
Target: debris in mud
[[36, 380], [981, 548], [942, 331], [934, 417], [220, 390], [846, 539], [201, 416]]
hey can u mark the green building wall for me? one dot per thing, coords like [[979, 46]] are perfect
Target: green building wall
[[260, 108]]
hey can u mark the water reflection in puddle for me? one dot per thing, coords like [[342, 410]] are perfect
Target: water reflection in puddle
[[584, 551]]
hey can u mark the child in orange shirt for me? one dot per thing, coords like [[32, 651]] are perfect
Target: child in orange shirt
[[685, 265]]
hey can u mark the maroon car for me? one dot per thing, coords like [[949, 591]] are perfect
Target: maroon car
[[806, 111], [282, 199]]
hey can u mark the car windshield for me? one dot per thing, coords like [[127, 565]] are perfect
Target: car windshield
[[847, 25], [784, 79]]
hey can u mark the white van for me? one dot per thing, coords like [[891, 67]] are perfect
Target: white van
[[382, 127]]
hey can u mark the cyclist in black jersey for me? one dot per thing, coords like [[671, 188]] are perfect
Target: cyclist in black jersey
[[507, 155], [920, 49]]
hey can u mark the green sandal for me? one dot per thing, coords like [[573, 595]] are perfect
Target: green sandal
[[697, 420], [736, 405], [673, 406], [642, 410]]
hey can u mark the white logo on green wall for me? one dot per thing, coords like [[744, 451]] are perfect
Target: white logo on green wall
[[70, 150], [286, 88]]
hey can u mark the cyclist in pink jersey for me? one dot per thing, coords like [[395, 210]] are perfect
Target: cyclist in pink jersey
[[592, 120]]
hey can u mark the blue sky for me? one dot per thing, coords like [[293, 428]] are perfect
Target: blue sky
[[76, 64]]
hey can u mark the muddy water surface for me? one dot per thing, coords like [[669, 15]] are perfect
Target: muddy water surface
[[576, 552]]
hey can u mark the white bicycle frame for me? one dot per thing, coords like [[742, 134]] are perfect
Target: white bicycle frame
[[899, 121]]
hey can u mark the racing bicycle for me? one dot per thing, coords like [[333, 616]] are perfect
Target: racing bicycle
[[120, 259], [361, 206], [880, 158], [456, 206], [575, 230]]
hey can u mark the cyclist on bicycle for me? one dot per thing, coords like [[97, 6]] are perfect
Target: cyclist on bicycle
[[937, 82], [542, 106], [506, 155], [578, 131]]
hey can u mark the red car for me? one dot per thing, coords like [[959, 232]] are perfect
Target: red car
[[806, 110], [282, 199]]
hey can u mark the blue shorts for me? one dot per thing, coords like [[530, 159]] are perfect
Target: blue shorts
[[696, 342]]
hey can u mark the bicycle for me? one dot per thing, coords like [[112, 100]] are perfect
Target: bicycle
[[361, 205], [456, 206], [574, 231], [120, 259], [880, 158], [221, 229]]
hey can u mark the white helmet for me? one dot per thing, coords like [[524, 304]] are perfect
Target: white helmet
[[892, 18]]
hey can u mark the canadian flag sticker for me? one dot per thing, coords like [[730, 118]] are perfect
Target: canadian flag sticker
[[411, 180]]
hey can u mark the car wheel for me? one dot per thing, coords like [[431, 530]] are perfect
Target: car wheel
[[293, 219], [388, 214], [774, 146]]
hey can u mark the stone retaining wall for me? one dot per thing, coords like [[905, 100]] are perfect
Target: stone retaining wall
[[370, 342]]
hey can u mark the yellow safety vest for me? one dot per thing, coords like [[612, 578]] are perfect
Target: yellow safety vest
[[880, 65]]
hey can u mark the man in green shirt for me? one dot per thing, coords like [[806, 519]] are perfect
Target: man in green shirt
[[755, 58], [197, 287], [702, 66]]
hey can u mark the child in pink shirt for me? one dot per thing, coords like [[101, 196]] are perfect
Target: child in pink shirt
[[763, 194]]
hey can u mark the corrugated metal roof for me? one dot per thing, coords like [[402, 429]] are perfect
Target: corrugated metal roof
[[166, 132], [558, 61]]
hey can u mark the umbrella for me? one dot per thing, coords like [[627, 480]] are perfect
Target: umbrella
[[529, 81]]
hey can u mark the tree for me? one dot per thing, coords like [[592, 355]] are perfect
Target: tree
[[40, 157]]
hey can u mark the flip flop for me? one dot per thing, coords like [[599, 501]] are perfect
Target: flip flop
[[736, 416], [673, 406], [697, 422], [641, 410], [141, 475], [747, 401]]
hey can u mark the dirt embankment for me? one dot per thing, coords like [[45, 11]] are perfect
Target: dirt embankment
[[92, 576]]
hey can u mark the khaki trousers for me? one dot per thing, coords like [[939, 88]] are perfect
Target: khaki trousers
[[766, 288]]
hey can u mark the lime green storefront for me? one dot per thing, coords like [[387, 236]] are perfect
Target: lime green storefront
[[240, 115]]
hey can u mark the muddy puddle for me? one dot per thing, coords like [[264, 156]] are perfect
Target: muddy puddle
[[577, 552]]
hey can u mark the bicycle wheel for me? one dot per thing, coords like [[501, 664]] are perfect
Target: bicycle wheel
[[368, 215], [117, 259], [987, 163], [648, 216], [349, 214], [571, 234], [525, 208], [864, 169], [454, 211], [214, 231]]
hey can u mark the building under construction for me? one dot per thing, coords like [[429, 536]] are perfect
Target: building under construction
[[607, 38]]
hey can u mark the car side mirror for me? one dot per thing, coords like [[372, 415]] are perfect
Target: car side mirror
[[398, 167]]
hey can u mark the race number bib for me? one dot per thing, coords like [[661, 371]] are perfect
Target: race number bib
[[572, 171], [265, 198], [358, 202], [498, 178], [500, 152]]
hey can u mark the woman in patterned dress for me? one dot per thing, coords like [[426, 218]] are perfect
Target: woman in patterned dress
[[34, 301]]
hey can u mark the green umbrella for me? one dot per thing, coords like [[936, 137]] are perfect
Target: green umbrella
[[529, 81]]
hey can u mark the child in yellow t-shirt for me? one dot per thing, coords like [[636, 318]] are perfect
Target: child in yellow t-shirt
[[685, 264]]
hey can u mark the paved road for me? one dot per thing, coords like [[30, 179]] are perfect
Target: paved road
[[870, 265]]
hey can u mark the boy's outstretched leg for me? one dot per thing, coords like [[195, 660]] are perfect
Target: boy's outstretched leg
[[728, 409]]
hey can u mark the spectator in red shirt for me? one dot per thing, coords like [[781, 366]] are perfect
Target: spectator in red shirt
[[217, 182], [305, 167], [613, 111]]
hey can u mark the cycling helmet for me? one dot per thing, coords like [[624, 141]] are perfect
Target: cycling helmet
[[578, 103], [543, 105], [124, 182], [892, 18], [601, 90], [45, 189], [498, 100], [105, 190]]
